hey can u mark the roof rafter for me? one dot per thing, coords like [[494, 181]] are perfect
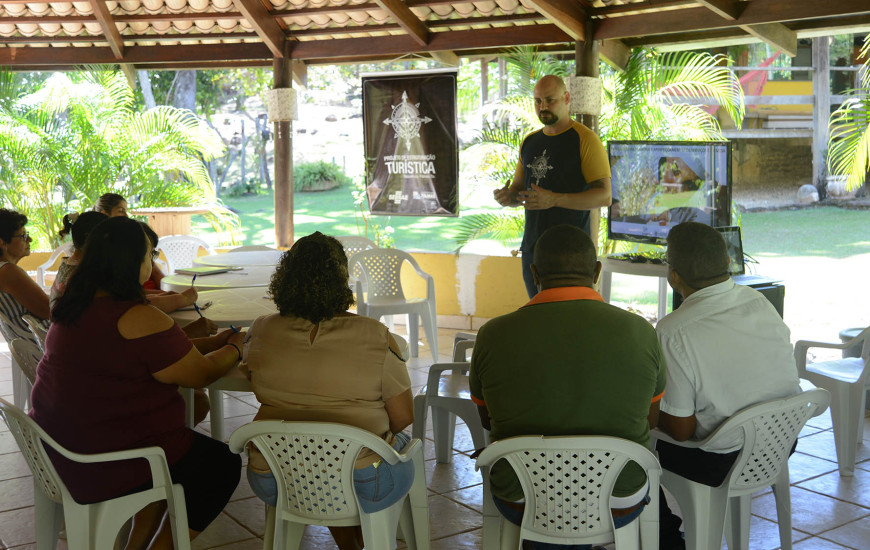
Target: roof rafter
[[726, 9], [777, 35], [403, 15], [264, 24], [565, 14]]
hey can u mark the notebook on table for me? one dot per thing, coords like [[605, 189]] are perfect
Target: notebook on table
[[202, 271]]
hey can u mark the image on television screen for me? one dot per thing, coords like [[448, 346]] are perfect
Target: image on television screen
[[657, 185]]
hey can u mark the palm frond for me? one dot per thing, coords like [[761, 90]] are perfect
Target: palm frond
[[849, 142], [504, 226]]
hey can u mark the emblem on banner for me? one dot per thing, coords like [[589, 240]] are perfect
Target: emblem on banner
[[406, 121]]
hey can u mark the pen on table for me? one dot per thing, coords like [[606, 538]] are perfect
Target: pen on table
[[192, 281], [234, 329], [196, 308]]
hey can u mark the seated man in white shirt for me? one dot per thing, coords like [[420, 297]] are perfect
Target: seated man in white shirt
[[726, 348]]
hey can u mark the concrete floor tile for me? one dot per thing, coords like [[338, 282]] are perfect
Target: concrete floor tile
[[470, 496], [249, 512], [764, 534], [17, 493], [248, 544], [822, 446], [823, 421], [17, 528], [816, 543], [803, 466], [449, 518], [12, 466], [448, 477], [854, 489], [222, 531], [854, 535], [235, 407], [7, 442], [810, 512], [471, 539]]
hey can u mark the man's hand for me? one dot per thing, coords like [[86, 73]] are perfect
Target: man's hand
[[538, 198], [503, 195]]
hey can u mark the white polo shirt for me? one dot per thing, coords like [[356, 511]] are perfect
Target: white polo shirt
[[726, 348]]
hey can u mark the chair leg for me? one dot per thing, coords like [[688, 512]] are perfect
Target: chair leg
[[48, 518], [845, 399], [703, 511], [444, 424], [737, 522], [292, 534], [649, 522], [379, 529], [510, 536], [627, 536], [18, 397], [418, 500], [414, 333], [431, 327], [782, 493], [492, 532], [216, 413], [269, 532], [418, 430]]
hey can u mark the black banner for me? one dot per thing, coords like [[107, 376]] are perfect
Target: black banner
[[412, 162]]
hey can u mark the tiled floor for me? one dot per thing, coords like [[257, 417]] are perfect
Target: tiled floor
[[829, 512]]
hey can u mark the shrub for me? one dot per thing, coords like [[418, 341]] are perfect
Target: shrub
[[318, 176]]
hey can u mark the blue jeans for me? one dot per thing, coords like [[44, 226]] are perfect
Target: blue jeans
[[516, 517], [377, 488]]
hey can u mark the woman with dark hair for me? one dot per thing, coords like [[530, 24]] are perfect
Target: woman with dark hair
[[112, 205], [79, 226], [109, 381], [19, 294], [314, 361], [166, 302]]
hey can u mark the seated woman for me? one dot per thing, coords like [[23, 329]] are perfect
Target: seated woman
[[166, 302], [79, 226], [19, 294], [314, 361], [109, 381], [114, 205]]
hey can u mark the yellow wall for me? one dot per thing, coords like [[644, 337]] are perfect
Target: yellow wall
[[785, 87]]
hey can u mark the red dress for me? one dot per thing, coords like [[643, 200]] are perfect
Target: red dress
[[95, 392]]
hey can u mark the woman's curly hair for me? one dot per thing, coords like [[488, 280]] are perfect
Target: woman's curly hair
[[311, 279]]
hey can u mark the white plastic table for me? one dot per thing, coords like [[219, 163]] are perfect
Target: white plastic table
[[244, 258], [233, 306], [254, 276], [610, 266]]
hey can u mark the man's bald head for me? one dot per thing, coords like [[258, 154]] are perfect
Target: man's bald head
[[563, 253], [551, 101]]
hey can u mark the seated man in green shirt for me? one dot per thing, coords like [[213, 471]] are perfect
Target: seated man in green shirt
[[567, 363]]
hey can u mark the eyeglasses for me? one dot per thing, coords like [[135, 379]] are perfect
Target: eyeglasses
[[24, 236], [155, 254]]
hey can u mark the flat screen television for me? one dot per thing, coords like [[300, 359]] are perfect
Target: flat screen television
[[659, 184]]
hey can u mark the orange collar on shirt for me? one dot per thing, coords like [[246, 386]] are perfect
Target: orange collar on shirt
[[564, 294]]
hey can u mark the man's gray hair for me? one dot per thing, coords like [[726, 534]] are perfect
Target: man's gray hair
[[698, 253], [565, 250]]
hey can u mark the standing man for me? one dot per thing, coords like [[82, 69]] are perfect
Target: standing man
[[726, 348], [563, 172], [568, 364]]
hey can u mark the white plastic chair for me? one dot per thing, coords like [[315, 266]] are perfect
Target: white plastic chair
[[313, 463], [27, 356], [449, 396], [847, 379], [37, 327], [180, 250], [89, 526], [353, 244], [20, 384], [769, 430], [567, 483], [63, 250], [379, 292]]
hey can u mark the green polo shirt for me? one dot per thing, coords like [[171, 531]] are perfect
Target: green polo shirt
[[567, 364]]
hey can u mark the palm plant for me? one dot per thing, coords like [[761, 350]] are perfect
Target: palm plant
[[651, 100], [79, 135], [849, 141]]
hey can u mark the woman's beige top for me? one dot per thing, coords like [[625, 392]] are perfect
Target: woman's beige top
[[344, 374]]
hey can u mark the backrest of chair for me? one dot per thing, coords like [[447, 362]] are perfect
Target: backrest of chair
[[567, 481], [62, 250], [381, 270], [313, 463], [11, 330], [181, 250], [37, 327], [770, 430], [352, 245], [27, 355], [29, 437]]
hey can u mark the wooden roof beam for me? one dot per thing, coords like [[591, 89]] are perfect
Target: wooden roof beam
[[446, 58], [615, 53], [726, 9], [403, 15], [777, 35], [565, 14], [110, 30], [264, 24]]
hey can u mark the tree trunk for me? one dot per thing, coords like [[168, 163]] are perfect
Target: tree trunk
[[147, 93], [184, 96]]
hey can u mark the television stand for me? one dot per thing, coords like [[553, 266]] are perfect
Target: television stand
[[609, 266]]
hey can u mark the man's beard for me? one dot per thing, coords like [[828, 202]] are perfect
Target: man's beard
[[548, 118]]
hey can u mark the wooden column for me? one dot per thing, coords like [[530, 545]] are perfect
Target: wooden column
[[283, 158], [586, 64], [484, 81], [821, 106]]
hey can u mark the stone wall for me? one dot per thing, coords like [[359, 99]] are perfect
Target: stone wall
[[771, 164]]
